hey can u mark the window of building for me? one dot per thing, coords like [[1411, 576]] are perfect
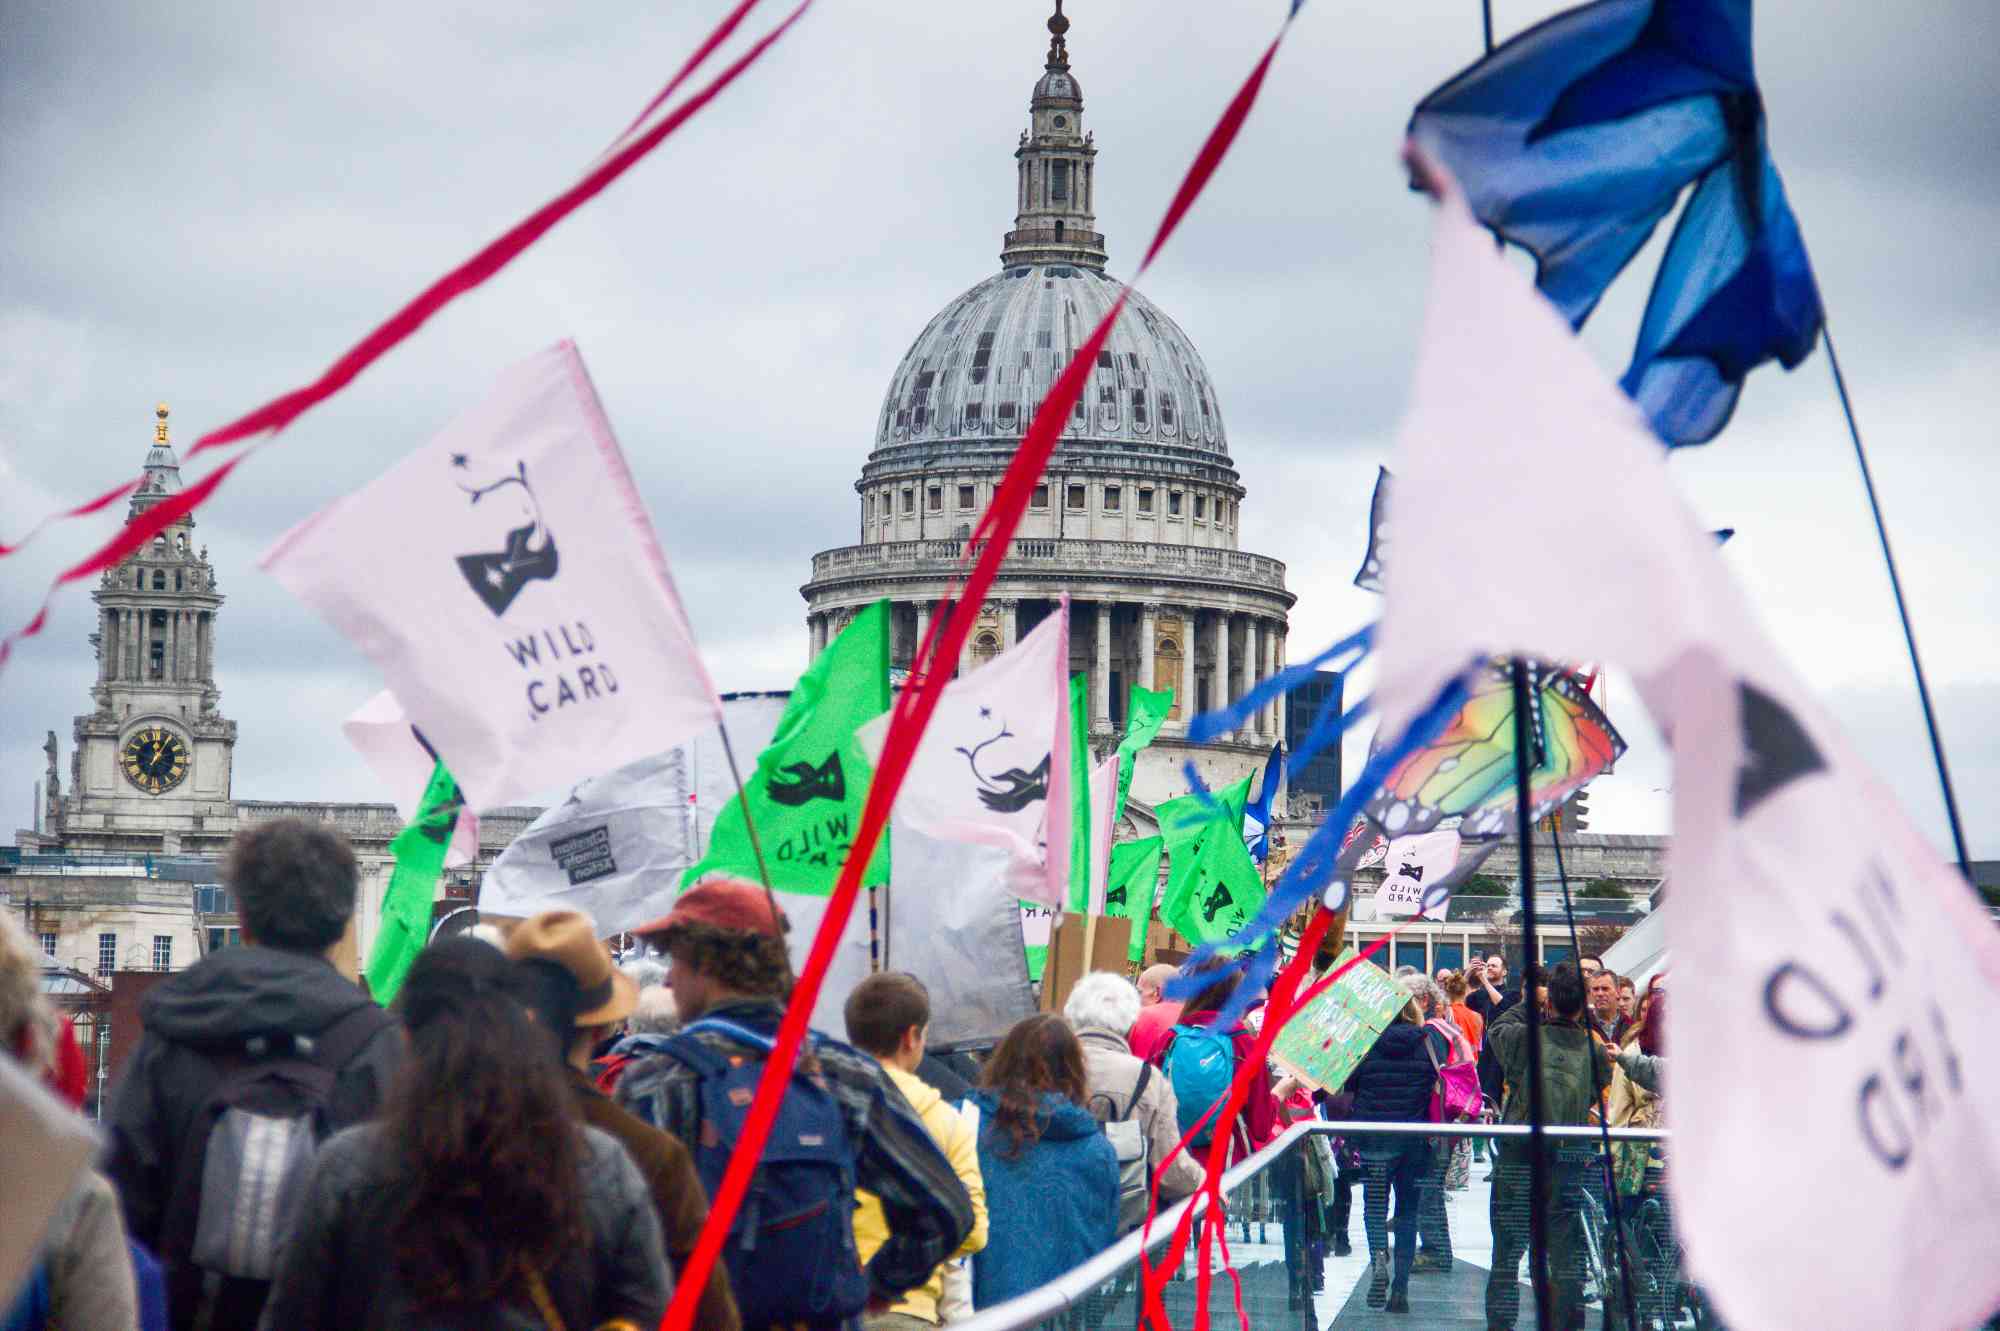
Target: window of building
[[48, 945], [107, 953], [1145, 500], [1139, 408], [934, 498], [1200, 507], [965, 496], [1113, 497], [972, 413], [159, 659], [159, 580], [1166, 410], [163, 952], [1041, 499], [1173, 503], [221, 936], [868, 507], [1059, 182], [1007, 410], [909, 500], [1076, 498]]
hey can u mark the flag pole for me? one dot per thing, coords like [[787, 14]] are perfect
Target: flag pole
[[1538, 1163], [750, 826]]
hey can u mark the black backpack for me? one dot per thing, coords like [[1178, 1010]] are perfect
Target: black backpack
[[247, 1156], [790, 1253]]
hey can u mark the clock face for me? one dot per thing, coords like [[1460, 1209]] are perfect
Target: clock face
[[154, 760]]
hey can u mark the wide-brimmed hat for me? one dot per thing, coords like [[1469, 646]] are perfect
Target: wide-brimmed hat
[[568, 939], [725, 903]]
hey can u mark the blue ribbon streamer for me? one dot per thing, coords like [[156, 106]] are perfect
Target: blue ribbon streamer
[[1210, 724], [1320, 856]]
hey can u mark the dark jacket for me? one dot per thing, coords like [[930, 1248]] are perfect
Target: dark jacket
[[1491, 1079], [678, 1199], [1575, 1068], [1395, 1078], [339, 1271], [928, 1209], [1049, 1209], [192, 1022]]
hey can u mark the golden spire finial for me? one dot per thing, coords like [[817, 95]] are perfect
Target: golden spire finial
[[160, 430], [1058, 48]]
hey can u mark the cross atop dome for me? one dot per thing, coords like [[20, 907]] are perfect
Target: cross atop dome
[[1055, 193]]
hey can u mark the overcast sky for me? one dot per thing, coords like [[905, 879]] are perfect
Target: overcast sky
[[204, 203]]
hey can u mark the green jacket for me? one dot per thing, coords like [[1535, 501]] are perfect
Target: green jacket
[[1569, 1059]]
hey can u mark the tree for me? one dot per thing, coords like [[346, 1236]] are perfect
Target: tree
[[1483, 885], [1606, 889]]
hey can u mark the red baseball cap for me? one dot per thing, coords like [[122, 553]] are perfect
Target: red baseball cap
[[725, 903]]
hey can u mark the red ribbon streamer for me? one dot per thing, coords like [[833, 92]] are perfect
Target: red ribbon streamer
[[275, 415], [942, 644], [1284, 1003]]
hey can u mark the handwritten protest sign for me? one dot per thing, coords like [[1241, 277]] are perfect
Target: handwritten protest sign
[[1327, 1038]]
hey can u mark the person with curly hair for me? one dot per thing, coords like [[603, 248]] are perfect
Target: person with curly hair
[[731, 978], [479, 1199], [1051, 1173], [294, 883]]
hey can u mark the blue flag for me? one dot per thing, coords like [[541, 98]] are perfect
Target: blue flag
[[1575, 140], [1259, 809]]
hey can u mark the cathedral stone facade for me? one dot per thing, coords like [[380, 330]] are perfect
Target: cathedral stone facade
[[1138, 516]]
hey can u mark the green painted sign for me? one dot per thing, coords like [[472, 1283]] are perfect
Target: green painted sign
[[1324, 1042]]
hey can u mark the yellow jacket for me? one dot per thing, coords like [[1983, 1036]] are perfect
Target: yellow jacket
[[954, 1136]]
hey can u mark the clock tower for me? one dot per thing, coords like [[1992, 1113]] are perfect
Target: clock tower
[[151, 769]]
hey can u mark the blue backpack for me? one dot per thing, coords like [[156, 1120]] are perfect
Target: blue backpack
[[791, 1253], [1200, 1063]]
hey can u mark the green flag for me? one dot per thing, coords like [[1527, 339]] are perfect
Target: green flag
[[1143, 719], [1213, 888], [1135, 879], [1079, 792], [812, 780], [1186, 820], [406, 904]]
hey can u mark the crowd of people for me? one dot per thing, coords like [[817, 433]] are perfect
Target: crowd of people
[[529, 1135]]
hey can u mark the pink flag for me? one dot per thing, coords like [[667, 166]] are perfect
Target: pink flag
[[994, 765], [382, 735], [1103, 803], [505, 580], [1834, 978]]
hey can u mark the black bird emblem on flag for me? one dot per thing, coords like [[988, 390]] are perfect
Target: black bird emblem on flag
[[1218, 901], [1776, 749], [529, 549], [802, 782], [1014, 789]]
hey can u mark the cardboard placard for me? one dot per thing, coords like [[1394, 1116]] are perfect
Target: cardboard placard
[[1108, 938]]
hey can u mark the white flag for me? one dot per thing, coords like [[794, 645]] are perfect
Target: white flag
[[993, 766], [1410, 863], [382, 735], [505, 580], [617, 847], [1827, 1038]]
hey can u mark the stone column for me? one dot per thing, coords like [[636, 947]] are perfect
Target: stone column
[[204, 648], [1221, 698], [106, 634], [1255, 674], [172, 668], [1010, 623], [1149, 642], [1270, 669], [1101, 686], [923, 627], [134, 646], [1279, 705]]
